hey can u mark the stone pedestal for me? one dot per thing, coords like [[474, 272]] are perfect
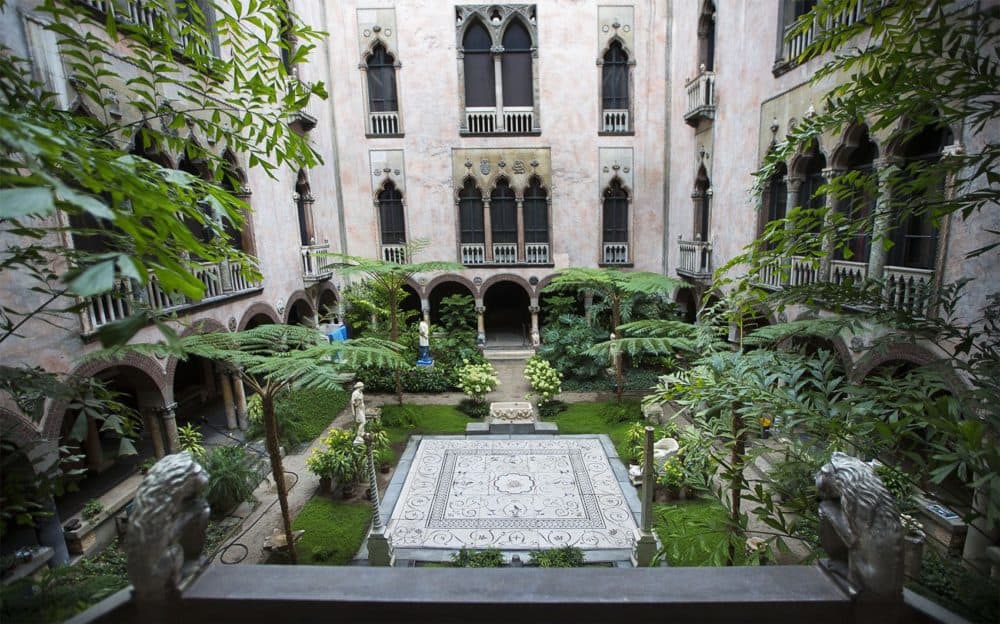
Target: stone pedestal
[[511, 412], [380, 551], [645, 549]]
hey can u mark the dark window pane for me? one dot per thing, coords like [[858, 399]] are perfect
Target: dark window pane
[[615, 214], [536, 221], [614, 78], [381, 81], [478, 65], [470, 214], [391, 216], [503, 214], [517, 83]]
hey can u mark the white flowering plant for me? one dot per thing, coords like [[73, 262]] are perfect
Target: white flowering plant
[[477, 380], [546, 382]]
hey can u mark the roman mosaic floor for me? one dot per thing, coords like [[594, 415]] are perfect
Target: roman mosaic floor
[[512, 493]]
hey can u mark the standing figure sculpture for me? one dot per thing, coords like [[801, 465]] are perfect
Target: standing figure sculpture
[[358, 407], [425, 358]]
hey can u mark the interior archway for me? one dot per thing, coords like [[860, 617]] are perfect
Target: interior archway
[[507, 318], [448, 289]]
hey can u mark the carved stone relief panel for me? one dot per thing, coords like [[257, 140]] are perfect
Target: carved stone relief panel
[[516, 164], [616, 162], [377, 26], [387, 165], [616, 22], [704, 152]]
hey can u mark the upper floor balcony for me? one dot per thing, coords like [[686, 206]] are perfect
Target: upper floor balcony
[[795, 42], [614, 121], [614, 253], [700, 98], [221, 281], [384, 124], [149, 15], [314, 263], [904, 289], [474, 254], [395, 253], [695, 258], [500, 120]]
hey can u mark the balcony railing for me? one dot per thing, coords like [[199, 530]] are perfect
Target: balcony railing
[[796, 44], [473, 253], [313, 263], [219, 280], [148, 15], [491, 120], [908, 290], [394, 253], [384, 123], [700, 98], [505, 253], [615, 253], [536, 253], [614, 120], [695, 258]]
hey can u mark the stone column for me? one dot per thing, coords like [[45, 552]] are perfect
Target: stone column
[[487, 232], [826, 260], [480, 325], [227, 400], [380, 552], [152, 424], [241, 402], [95, 454], [645, 543], [425, 308], [50, 533], [169, 417], [534, 309], [498, 86], [880, 226], [588, 300], [520, 229], [792, 184]]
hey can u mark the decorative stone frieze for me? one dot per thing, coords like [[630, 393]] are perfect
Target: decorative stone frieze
[[485, 166], [377, 26], [616, 162], [387, 165], [615, 22]]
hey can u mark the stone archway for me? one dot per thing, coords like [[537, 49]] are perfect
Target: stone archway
[[259, 314], [507, 319], [448, 288]]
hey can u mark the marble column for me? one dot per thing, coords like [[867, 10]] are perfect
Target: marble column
[[588, 300], [481, 325], [227, 400], [645, 543], [792, 184], [520, 229], [380, 551], [425, 309], [168, 415], [487, 232], [241, 401], [152, 423], [826, 260], [880, 227]]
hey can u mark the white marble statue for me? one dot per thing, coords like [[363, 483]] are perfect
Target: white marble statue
[[358, 407]]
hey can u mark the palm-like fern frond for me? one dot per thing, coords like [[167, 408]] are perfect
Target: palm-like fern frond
[[826, 328]]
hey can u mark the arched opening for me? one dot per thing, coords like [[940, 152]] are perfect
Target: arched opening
[[303, 204], [390, 212], [234, 181], [706, 37], [477, 60], [859, 207], [503, 222], [301, 313], [259, 319], [98, 448], [687, 305], [381, 81], [507, 317], [328, 307], [445, 290], [516, 66], [615, 78], [615, 218], [471, 223], [409, 306], [201, 229], [776, 197], [702, 197]]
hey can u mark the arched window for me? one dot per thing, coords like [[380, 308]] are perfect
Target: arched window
[[860, 205], [390, 212], [197, 168], [614, 78], [470, 214], [914, 237], [812, 178], [702, 204], [232, 181], [777, 196], [536, 213], [480, 87], [381, 81], [503, 213], [303, 204], [706, 36], [615, 213], [516, 66]]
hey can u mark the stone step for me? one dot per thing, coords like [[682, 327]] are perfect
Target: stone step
[[508, 354]]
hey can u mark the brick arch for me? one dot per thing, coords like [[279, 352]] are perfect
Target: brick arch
[[507, 277], [412, 282], [898, 351], [18, 429], [295, 297], [545, 281], [840, 347], [201, 326], [450, 277], [259, 308], [145, 365]]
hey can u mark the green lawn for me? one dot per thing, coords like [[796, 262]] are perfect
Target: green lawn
[[589, 418], [402, 421], [333, 529], [693, 532]]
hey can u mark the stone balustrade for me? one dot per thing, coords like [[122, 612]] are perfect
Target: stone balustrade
[[694, 258], [536, 253], [394, 253], [700, 98], [505, 253], [473, 253], [614, 120], [312, 262], [615, 253], [385, 123]]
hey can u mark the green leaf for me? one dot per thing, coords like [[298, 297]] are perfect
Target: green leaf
[[96, 279], [27, 201], [121, 331], [88, 202], [79, 430]]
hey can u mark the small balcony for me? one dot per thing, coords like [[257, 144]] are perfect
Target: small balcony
[[504, 253], [394, 253], [473, 253], [536, 253], [313, 269], [700, 98], [614, 121], [695, 259], [384, 124], [793, 45], [615, 253], [494, 120], [220, 280]]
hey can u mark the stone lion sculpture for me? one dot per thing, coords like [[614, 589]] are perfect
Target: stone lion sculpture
[[859, 527], [166, 529]]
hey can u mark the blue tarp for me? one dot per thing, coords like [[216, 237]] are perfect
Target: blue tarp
[[338, 332]]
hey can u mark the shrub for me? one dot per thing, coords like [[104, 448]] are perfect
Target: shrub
[[231, 477], [489, 558], [458, 312], [565, 345], [629, 411], [301, 414], [898, 483], [672, 473], [564, 557], [404, 416], [477, 380], [341, 460], [190, 440], [474, 409], [550, 409], [546, 382], [92, 509]]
